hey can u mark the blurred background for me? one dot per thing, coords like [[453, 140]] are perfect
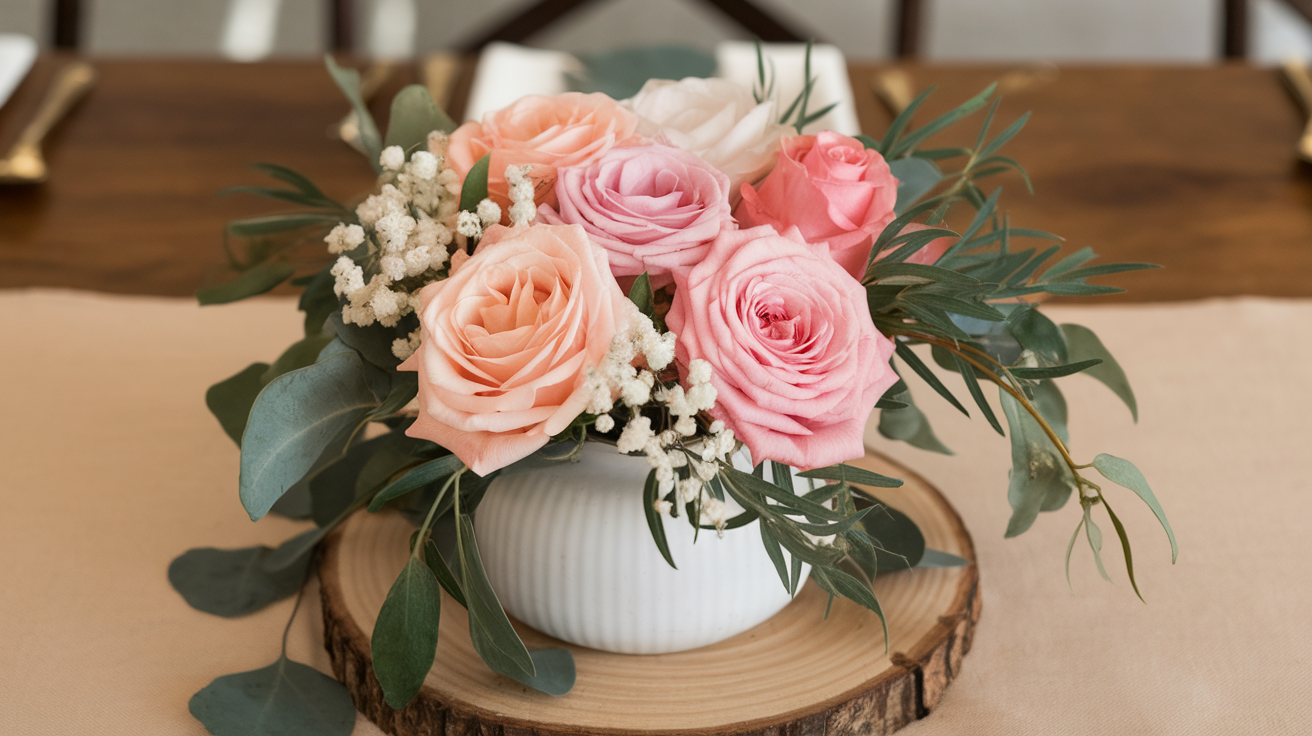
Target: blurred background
[[1262, 31]]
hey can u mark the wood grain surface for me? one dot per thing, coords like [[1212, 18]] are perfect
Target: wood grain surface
[[1189, 167], [798, 673]]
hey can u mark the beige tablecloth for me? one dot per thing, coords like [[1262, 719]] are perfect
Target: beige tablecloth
[[110, 466]]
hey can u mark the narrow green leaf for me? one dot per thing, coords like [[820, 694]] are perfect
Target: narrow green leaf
[[348, 81], [298, 180], [1123, 473], [1077, 288], [913, 361], [776, 555], [899, 543], [1094, 535], [494, 638], [1069, 263], [232, 582], [418, 477], [257, 280], [270, 224], [641, 295], [1084, 345], [294, 420], [939, 558], [1125, 547], [894, 132], [1070, 546], [447, 579], [414, 116], [910, 425], [650, 494], [230, 400], [1103, 270], [967, 372], [404, 641], [1056, 371], [284, 699], [285, 195], [852, 474], [1004, 136], [913, 139], [474, 190], [837, 582]]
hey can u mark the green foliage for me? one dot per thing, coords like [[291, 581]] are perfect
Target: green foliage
[[621, 73], [1084, 345], [939, 558], [414, 116], [348, 81], [427, 474], [898, 542], [318, 301], [915, 178], [404, 641], [908, 424], [474, 190], [232, 582], [1040, 478], [849, 474], [258, 280], [295, 419], [1123, 473], [650, 495], [230, 400], [284, 699]]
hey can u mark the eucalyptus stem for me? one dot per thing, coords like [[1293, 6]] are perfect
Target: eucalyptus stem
[[428, 520]]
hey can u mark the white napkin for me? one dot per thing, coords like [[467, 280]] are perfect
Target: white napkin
[[17, 52], [737, 61], [507, 72]]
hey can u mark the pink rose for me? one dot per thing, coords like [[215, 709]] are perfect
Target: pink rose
[[549, 132], [507, 341], [797, 362], [653, 208], [832, 189]]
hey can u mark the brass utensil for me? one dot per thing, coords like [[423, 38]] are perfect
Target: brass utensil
[[370, 82], [893, 88], [24, 163], [1300, 83]]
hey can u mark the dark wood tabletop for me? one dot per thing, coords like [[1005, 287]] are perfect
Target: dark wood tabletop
[[1190, 167]]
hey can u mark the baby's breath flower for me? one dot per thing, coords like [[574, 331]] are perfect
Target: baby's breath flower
[[489, 212], [605, 423], [468, 225], [423, 165], [392, 158]]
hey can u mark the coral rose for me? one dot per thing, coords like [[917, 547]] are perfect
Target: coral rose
[[507, 341], [549, 132], [655, 209], [716, 119], [832, 189], [797, 362]]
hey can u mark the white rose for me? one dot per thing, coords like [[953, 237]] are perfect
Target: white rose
[[716, 119]]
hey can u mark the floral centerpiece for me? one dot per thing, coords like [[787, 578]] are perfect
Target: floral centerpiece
[[683, 276]]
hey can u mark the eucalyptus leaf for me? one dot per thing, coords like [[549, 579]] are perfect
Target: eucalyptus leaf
[[284, 699], [1084, 345], [899, 543], [1123, 473], [939, 558], [418, 477], [1051, 404], [348, 81], [474, 190], [294, 420], [404, 641], [318, 301], [232, 582], [910, 425], [414, 116], [1094, 535], [298, 355], [852, 474], [1125, 547], [493, 637], [445, 577], [365, 465], [915, 178], [295, 550], [230, 400], [373, 343], [258, 280], [555, 672], [1040, 479], [1038, 333]]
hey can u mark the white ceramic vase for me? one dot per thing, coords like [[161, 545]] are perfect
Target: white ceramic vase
[[569, 552]]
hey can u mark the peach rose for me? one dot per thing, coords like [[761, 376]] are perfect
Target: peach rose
[[832, 189], [796, 360], [508, 339], [655, 209], [570, 129]]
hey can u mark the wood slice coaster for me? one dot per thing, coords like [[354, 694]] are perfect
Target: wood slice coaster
[[797, 673]]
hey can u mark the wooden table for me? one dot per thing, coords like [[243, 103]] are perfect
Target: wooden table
[[1190, 167]]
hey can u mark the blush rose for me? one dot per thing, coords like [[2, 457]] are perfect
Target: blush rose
[[832, 189], [797, 362], [655, 209], [546, 131], [507, 341]]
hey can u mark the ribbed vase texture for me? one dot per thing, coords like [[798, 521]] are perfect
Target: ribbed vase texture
[[569, 552]]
